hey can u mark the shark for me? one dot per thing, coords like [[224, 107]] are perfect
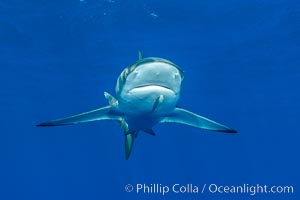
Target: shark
[[147, 93]]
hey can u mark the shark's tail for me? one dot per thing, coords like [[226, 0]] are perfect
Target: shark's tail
[[129, 140]]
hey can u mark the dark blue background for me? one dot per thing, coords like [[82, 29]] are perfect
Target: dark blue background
[[242, 68]]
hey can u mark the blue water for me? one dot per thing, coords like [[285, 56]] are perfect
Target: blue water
[[241, 62]]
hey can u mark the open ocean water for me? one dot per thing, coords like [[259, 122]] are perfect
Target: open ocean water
[[242, 68]]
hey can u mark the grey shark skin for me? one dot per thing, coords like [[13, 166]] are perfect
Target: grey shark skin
[[147, 93]]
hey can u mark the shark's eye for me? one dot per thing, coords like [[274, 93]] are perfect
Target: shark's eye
[[132, 67], [127, 71]]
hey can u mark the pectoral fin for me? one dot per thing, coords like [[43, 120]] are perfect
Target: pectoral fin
[[183, 116], [94, 115]]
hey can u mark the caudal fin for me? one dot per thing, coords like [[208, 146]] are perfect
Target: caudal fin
[[183, 116], [129, 140]]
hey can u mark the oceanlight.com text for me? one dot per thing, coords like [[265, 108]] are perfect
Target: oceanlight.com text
[[249, 189], [212, 188]]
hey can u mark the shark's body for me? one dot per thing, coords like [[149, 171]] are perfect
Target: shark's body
[[147, 93]]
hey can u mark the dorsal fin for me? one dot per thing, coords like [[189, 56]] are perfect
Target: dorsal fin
[[140, 55]]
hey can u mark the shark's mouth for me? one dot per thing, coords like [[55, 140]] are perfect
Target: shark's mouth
[[152, 87], [149, 85]]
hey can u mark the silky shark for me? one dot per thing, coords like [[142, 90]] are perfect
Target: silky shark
[[147, 93]]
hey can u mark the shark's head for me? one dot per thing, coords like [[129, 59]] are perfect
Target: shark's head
[[149, 78], [148, 74]]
